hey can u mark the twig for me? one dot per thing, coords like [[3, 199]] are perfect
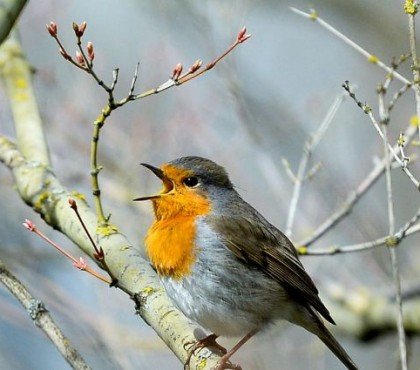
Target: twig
[[367, 110], [78, 263], [411, 227], [288, 170], [384, 117], [194, 71], [370, 57], [309, 146], [398, 95], [353, 197], [42, 319], [84, 61], [411, 8], [99, 253]]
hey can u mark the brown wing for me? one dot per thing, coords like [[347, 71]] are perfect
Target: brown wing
[[261, 244]]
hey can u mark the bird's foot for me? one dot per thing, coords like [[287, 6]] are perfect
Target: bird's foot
[[209, 341], [224, 363]]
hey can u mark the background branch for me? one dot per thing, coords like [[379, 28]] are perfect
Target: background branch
[[408, 229], [384, 116], [362, 314], [309, 146], [353, 197], [42, 319]]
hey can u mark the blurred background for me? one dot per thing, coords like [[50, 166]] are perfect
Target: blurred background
[[256, 107]]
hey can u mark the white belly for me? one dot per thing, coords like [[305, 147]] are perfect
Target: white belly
[[224, 296]]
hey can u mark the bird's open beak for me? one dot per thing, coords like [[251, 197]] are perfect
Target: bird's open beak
[[167, 183]]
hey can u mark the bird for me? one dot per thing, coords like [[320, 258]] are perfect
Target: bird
[[223, 264]]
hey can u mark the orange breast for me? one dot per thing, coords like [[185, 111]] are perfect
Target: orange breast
[[170, 240], [170, 245]]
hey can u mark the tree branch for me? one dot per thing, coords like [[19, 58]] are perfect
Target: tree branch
[[9, 12], [41, 190], [16, 74], [364, 315], [42, 319], [411, 227], [309, 146], [353, 197]]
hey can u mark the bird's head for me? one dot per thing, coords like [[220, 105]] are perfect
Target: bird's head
[[188, 183]]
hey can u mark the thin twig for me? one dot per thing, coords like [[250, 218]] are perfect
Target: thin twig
[[84, 61], [411, 11], [309, 146], [392, 249], [367, 110], [288, 170], [188, 76], [384, 117], [370, 57], [410, 228], [43, 320], [398, 95], [78, 263], [99, 254], [353, 197]]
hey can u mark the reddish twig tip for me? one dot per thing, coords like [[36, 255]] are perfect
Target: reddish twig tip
[[80, 264], [196, 66], [242, 35], [177, 71], [90, 52], [100, 255], [79, 29], [29, 225], [72, 203], [52, 29], [80, 59], [64, 54]]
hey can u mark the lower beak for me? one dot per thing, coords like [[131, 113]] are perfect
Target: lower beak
[[159, 173]]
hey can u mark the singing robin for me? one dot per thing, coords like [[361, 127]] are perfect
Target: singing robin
[[223, 264]]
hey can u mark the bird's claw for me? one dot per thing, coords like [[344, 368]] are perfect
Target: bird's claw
[[209, 341]]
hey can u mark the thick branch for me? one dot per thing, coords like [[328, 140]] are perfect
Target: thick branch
[[40, 189], [9, 12], [42, 319], [16, 74]]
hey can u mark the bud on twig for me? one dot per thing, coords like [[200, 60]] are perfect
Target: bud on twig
[[196, 66], [401, 140], [242, 35], [72, 203], [80, 264], [52, 29], [29, 225], [64, 54], [82, 27], [90, 52], [79, 30], [177, 71], [79, 58]]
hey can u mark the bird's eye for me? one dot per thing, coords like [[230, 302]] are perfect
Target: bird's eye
[[191, 181]]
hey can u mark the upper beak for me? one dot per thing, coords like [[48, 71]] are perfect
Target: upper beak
[[159, 173]]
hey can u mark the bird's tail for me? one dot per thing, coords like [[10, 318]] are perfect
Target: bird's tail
[[315, 325]]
